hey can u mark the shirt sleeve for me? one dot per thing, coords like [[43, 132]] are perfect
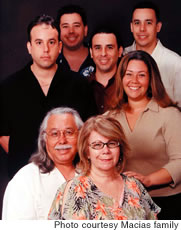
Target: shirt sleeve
[[177, 81], [148, 204], [71, 203], [172, 135], [4, 114], [55, 209], [19, 200]]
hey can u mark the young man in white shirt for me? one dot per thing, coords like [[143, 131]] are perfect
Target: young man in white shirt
[[145, 26]]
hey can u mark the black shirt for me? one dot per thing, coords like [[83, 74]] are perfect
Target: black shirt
[[86, 68], [24, 105]]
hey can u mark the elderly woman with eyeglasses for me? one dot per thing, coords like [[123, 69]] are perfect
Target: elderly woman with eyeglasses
[[101, 192]]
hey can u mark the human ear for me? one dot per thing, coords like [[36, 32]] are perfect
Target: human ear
[[28, 45], [85, 30], [91, 52], [120, 51], [159, 26]]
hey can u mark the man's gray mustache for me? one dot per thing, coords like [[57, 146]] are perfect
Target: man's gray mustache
[[61, 147]]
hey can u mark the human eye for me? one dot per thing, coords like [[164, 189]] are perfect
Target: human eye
[[64, 26], [142, 75], [113, 144], [52, 42], [77, 25], [54, 133], [38, 42], [69, 132], [149, 22], [136, 22], [128, 74], [97, 47], [110, 47], [97, 145]]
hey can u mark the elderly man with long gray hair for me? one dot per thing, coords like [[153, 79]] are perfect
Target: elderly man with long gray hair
[[29, 194]]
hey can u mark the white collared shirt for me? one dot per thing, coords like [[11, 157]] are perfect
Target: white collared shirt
[[30, 193]]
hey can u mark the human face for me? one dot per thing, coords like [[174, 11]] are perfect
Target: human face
[[104, 159], [44, 46], [105, 52], [63, 149], [145, 27], [72, 30], [136, 80]]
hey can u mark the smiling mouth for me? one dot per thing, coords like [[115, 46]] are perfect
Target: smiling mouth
[[133, 88], [105, 159], [142, 36], [104, 61], [71, 39]]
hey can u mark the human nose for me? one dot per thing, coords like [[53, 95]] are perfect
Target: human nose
[[142, 27], [103, 52], [46, 47], [71, 29], [62, 138], [134, 78], [106, 149]]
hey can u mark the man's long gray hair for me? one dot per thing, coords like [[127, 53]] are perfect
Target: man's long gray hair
[[41, 157]]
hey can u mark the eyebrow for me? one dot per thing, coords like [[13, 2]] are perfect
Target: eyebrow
[[67, 23], [135, 20], [40, 39], [105, 45], [140, 71]]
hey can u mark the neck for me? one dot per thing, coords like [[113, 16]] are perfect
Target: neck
[[82, 50], [104, 176], [136, 106], [75, 58], [104, 77], [68, 171], [149, 48], [43, 73]]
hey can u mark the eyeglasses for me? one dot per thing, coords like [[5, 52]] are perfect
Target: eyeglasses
[[100, 145], [55, 134]]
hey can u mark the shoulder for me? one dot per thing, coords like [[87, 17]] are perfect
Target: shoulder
[[133, 186], [169, 112], [16, 78], [26, 172], [131, 180], [116, 113], [129, 48], [169, 53], [25, 176]]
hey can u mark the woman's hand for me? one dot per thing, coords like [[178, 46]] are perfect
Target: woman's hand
[[143, 179], [159, 177]]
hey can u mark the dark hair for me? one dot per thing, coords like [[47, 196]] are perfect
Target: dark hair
[[106, 30], [70, 9], [156, 88], [148, 5], [43, 19]]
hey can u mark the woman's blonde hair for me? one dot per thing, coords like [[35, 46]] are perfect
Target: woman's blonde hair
[[107, 127]]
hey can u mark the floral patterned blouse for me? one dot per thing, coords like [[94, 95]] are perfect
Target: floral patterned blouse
[[84, 201]]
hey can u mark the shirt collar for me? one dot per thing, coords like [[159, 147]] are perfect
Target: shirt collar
[[152, 105], [92, 78]]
